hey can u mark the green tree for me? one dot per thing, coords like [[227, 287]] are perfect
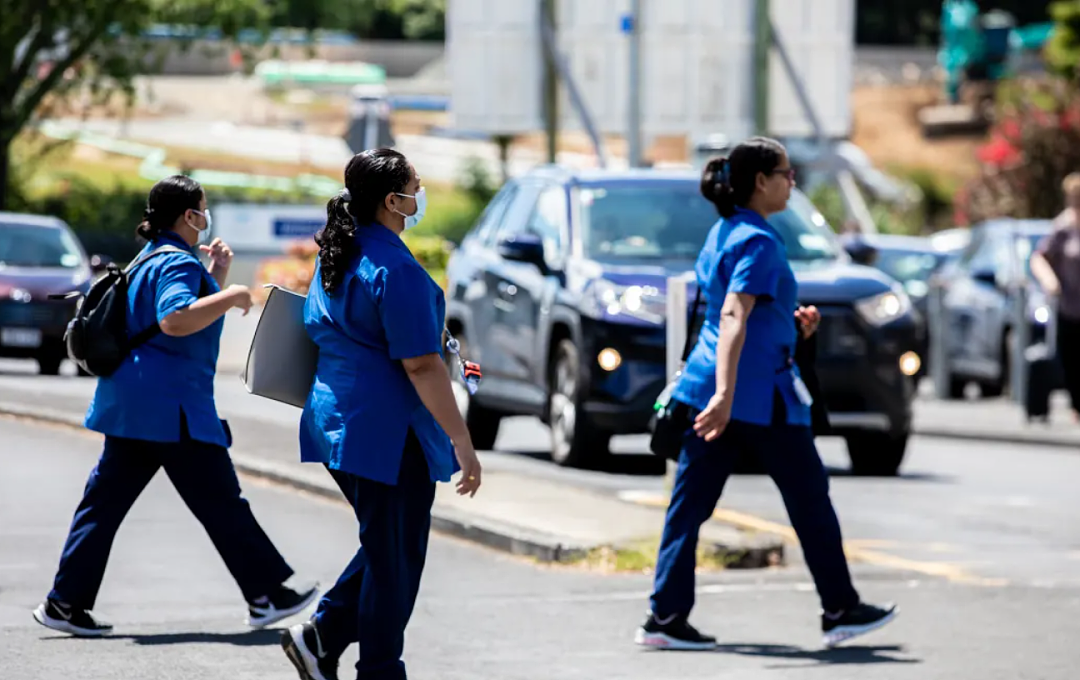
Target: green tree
[[51, 50], [1063, 51], [370, 19]]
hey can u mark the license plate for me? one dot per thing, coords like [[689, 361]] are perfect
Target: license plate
[[20, 337]]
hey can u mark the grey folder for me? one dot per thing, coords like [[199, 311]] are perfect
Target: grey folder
[[282, 359]]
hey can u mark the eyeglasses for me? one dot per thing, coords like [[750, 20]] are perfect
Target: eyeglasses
[[470, 371], [787, 172]]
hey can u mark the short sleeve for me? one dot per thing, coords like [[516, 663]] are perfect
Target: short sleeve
[[756, 271], [1051, 246], [409, 313], [179, 281]]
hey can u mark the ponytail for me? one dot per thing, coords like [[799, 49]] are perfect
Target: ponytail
[[716, 186], [337, 242]]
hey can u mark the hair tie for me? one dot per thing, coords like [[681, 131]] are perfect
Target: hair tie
[[345, 195], [725, 171]]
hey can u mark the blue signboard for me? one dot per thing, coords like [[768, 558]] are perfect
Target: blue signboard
[[297, 228]]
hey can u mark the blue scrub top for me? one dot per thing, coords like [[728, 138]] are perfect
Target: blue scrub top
[[745, 254], [167, 375], [362, 403]]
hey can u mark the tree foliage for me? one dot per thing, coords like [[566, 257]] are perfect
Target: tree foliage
[[369, 19], [1063, 51], [918, 22], [1034, 144], [51, 50]]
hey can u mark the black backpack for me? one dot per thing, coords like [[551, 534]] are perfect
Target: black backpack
[[97, 338]]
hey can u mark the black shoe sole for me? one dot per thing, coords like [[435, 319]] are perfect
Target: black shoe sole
[[293, 655]]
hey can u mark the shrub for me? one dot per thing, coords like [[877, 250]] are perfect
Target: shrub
[[1033, 145]]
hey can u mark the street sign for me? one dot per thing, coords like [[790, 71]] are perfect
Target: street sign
[[696, 65]]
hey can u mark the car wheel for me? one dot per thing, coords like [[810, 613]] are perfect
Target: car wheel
[[957, 387], [876, 454], [50, 364], [483, 423], [574, 441]]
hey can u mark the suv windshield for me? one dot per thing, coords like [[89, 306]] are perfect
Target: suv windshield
[[24, 245], [669, 221]]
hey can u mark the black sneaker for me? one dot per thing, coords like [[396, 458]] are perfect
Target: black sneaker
[[304, 648], [858, 620], [282, 604], [67, 619], [673, 633]]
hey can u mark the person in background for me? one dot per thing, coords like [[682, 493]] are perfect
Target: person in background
[[1056, 266], [381, 414], [157, 411], [745, 394]]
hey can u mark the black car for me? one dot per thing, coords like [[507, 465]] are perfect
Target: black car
[[909, 260], [559, 292], [39, 257]]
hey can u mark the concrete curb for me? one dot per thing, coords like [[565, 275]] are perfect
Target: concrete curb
[[1034, 439], [501, 536]]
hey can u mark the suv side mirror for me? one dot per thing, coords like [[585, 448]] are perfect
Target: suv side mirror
[[98, 263], [528, 248], [861, 252], [986, 276]]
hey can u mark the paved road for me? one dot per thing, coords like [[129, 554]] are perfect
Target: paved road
[[970, 510], [481, 615]]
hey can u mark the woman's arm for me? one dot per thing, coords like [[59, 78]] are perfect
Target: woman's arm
[[1044, 274], [429, 376], [711, 422], [205, 311]]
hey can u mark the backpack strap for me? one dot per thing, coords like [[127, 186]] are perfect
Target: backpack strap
[[688, 345], [147, 334]]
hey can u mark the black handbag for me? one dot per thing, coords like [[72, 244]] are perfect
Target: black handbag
[[671, 417]]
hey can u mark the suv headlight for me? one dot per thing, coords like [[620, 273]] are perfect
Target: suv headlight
[[884, 308], [641, 302]]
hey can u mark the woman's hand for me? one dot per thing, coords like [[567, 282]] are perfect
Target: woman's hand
[[809, 319], [470, 470], [220, 254], [240, 297], [712, 422]]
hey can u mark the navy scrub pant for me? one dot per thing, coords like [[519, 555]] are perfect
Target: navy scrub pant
[[204, 476], [792, 460], [373, 599]]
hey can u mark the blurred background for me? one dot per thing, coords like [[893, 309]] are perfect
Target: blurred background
[[917, 126]]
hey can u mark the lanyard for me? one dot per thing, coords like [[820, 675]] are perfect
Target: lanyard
[[470, 371]]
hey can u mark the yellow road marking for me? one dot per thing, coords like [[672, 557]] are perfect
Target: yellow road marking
[[855, 550]]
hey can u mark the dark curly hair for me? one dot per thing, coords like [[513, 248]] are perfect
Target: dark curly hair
[[169, 199], [729, 182], [369, 177]]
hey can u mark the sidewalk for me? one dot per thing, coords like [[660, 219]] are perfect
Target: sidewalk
[[515, 513], [996, 420]]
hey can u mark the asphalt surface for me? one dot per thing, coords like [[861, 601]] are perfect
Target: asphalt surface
[[485, 615]]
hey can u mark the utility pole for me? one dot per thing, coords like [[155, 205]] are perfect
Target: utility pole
[[632, 27], [551, 85], [762, 45]]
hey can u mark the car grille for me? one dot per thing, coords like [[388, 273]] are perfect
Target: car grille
[[839, 334], [35, 314]]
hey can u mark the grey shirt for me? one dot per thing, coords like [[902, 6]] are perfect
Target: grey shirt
[[1062, 250]]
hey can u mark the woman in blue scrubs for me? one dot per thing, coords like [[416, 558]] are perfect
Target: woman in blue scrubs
[[744, 393], [157, 411], [381, 415]]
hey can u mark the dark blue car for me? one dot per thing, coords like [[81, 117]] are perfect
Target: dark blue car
[[559, 292]]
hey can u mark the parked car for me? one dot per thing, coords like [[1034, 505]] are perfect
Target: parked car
[[909, 260], [980, 290], [559, 292], [39, 257]]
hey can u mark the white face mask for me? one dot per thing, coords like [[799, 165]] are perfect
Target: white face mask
[[421, 205], [204, 234]]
